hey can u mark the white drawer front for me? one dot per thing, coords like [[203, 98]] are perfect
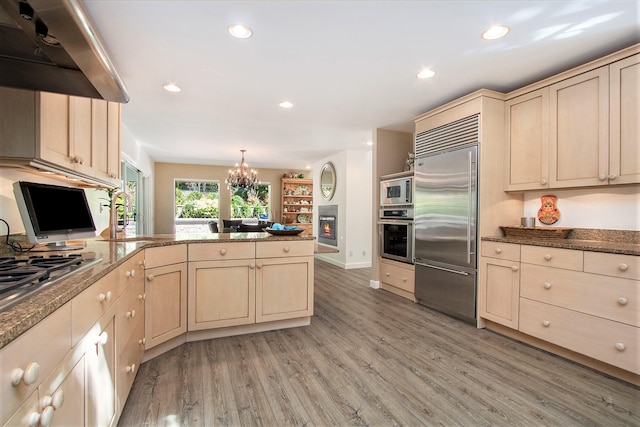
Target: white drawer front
[[627, 266], [552, 257], [611, 342], [399, 277], [165, 255], [602, 296], [221, 251], [284, 248], [500, 250]]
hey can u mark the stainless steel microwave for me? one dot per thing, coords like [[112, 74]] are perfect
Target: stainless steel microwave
[[398, 191]]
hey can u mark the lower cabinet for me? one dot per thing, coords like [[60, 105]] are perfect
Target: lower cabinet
[[398, 277]]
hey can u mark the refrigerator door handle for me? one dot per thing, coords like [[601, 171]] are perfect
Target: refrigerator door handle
[[462, 273], [470, 201]]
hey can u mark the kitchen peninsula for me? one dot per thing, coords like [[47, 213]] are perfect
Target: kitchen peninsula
[[145, 296]]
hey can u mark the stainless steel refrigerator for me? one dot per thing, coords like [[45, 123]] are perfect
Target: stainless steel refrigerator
[[446, 200]]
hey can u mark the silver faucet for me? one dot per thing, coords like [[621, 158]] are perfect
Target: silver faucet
[[113, 232]]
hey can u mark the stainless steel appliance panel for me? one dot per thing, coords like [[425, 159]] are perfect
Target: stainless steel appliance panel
[[398, 191], [396, 240], [446, 289], [446, 208]]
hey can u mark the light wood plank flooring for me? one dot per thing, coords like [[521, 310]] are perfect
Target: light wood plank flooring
[[372, 358]]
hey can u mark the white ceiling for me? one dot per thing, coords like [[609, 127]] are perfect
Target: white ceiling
[[347, 66]]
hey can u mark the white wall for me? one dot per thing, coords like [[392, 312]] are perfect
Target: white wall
[[353, 197], [613, 208]]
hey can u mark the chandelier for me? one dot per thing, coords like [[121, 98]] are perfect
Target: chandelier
[[241, 176]]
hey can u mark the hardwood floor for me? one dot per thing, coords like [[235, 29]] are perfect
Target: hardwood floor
[[372, 358]]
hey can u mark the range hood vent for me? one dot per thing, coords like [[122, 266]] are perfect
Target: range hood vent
[[50, 45]]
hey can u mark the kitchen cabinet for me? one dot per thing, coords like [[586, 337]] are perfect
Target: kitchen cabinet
[[222, 285], [284, 280], [499, 283], [398, 278], [69, 134], [165, 293], [527, 141], [297, 203]]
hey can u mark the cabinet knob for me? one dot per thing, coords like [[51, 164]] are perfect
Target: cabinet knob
[[47, 416], [543, 182], [514, 268], [622, 301], [546, 323], [28, 376], [547, 257], [623, 267], [286, 249], [141, 297], [223, 251], [142, 341], [612, 176], [620, 346], [498, 251], [259, 265], [141, 262], [55, 401], [131, 368], [547, 285], [131, 314], [105, 297], [131, 273], [150, 277], [252, 266], [602, 177], [404, 279], [387, 274], [102, 338]]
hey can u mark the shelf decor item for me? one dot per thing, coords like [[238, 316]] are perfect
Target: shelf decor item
[[535, 232], [548, 213]]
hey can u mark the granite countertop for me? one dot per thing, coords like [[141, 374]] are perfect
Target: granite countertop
[[17, 319], [626, 242]]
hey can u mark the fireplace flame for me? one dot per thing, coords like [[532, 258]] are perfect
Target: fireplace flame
[[326, 228]]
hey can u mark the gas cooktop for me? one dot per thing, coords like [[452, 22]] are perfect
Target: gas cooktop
[[21, 277]]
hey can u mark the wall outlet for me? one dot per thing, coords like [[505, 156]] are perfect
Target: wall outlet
[[350, 253]]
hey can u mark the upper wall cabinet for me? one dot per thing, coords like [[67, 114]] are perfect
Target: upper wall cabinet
[[75, 136], [577, 132]]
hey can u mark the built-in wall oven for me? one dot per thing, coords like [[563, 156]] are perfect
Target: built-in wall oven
[[396, 233]]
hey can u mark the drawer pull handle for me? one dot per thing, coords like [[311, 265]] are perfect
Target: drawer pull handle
[[46, 417], [259, 265], [286, 249], [498, 251], [131, 314], [55, 401], [620, 346], [547, 285], [612, 176], [131, 369], [622, 301], [623, 267], [252, 266], [150, 277], [602, 177], [28, 376], [387, 274], [102, 338], [543, 182], [131, 273], [547, 257], [223, 251], [142, 341], [141, 262], [546, 323], [514, 268], [404, 279], [105, 297], [141, 297]]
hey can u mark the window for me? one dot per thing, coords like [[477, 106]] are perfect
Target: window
[[196, 205], [251, 203]]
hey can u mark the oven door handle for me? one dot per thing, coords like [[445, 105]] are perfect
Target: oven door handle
[[396, 222]]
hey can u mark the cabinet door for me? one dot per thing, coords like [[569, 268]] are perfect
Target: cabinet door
[[113, 140], [499, 291], [99, 145], [624, 140], [80, 135], [284, 288], [165, 303], [527, 141], [100, 358], [54, 129], [579, 123], [221, 294], [62, 395]]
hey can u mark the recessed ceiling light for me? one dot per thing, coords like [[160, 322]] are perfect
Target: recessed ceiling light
[[495, 32], [240, 31], [286, 104], [171, 87], [426, 73]]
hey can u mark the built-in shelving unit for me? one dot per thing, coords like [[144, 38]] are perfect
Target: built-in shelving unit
[[297, 203]]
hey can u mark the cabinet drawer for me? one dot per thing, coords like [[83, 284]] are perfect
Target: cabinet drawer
[[165, 255], [611, 342], [129, 362], [130, 271], [92, 303], [500, 250], [552, 257], [45, 344], [627, 266], [130, 312], [602, 296], [284, 248], [402, 278], [221, 251]]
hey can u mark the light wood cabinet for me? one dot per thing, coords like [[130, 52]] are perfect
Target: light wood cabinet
[[165, 293], [284, 280], [71, 134], [297, 203], [398, 278], [527, 141], [499, 284]]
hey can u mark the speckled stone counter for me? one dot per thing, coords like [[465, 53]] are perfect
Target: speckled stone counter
[[17, 319], [625, 242]]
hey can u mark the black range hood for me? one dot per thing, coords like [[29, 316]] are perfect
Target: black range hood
[[50, 45]]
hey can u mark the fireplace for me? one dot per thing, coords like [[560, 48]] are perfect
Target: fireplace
[[328, 224]]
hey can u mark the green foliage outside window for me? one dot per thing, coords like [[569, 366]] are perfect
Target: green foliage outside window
[[197, 199]]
